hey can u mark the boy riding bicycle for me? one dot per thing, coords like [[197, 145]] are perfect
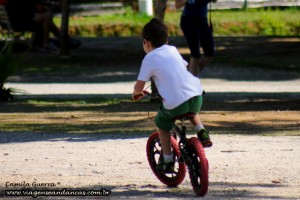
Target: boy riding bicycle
[[181, 92]]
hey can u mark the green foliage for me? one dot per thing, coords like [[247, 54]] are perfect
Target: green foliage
[[9, 65], [250, 22], [125, 24], [257, 22]]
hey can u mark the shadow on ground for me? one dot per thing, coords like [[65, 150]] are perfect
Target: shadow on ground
[[118, 59], [112, 59], [217, 190], [213, 101], [87, 119]]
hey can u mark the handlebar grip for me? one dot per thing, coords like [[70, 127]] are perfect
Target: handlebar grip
[[136, 97], [146, 92]]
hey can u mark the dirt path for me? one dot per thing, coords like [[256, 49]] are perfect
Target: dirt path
[[241, 167]]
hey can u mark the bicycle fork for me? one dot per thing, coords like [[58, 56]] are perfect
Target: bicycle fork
[[183, 147]]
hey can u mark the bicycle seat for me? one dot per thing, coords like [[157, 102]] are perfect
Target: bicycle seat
[[185, 116]]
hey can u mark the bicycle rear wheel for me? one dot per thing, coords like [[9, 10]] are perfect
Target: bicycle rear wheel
[[154, 152], [198, 167]]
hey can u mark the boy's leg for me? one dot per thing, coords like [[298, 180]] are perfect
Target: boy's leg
[[165, 140], [166, 163], [196, 121], [202, 133], [165, 123]]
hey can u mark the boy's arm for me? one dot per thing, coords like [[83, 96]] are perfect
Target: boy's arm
[[138, 89]]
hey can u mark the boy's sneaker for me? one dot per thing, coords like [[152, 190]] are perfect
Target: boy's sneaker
[[204, 138], [166, 167]]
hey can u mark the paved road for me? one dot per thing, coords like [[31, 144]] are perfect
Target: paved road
[[119, 79], [215, 79], [211, 85]]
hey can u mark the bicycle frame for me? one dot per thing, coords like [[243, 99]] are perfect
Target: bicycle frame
[[188, 151], [179, 133]]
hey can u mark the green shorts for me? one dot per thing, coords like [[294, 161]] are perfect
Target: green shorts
[[165, 118]]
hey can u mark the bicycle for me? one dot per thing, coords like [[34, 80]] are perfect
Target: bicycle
[[187, 152]]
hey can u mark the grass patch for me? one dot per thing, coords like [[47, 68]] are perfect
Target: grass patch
[[120, 116], [72, 116], [258, 22]]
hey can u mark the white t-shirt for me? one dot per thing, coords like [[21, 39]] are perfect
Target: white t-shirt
[[168, 69]]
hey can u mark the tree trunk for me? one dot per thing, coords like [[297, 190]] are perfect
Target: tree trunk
[[64, 39], [245, 5], [160, 8], [159, 11]]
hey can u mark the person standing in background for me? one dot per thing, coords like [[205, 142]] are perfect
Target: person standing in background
[[197, 32], [26, 15]]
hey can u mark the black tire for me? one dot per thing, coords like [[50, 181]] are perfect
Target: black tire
[[198, 169], [153, 150]]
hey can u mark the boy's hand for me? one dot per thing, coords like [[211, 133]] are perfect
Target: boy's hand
[[137, 95], [138, 90]]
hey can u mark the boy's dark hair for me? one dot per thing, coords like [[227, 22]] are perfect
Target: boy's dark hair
[[156, 32]]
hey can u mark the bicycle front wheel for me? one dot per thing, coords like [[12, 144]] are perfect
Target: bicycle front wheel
[[154, 152], [198, 167]]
